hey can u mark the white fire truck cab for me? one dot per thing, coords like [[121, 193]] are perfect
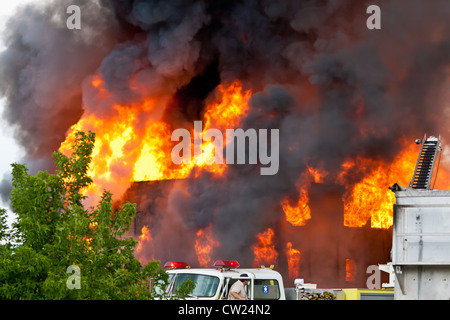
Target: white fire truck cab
[[215, 283]]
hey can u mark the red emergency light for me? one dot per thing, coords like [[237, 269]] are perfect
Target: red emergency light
[[176, 265], [226, 264]]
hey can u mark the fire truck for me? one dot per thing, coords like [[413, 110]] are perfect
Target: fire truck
[[215, 283]]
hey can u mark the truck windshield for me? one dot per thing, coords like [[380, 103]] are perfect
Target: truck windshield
[[206, 286]]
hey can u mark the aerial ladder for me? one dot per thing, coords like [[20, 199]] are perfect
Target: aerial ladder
[[429, 152]]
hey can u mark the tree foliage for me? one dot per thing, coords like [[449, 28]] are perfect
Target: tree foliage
[[53, 231]]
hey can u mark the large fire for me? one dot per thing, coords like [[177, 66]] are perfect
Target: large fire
[[128, 148], [131, 145], [346, 102]]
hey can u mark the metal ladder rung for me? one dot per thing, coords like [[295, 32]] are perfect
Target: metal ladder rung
[[425, 163]]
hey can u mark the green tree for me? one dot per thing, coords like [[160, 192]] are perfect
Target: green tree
[[56, 246]]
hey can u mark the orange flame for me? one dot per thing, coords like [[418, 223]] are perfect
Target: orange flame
[[318, 174], [204, 245], [298, 214], [132, 144], [293, 258], [370, 198], [264, 249], [145, 241], [230, 109], [225, 113], [350, 270]]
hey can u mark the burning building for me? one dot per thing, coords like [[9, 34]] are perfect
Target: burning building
[[347, 102]]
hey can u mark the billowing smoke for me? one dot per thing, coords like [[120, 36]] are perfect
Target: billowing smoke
[[42, 70], [333, 88]]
